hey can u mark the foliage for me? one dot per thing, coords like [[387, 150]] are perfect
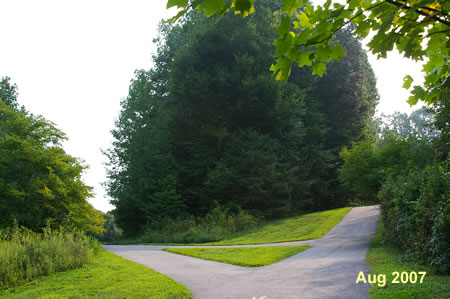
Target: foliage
[[302, 227], [384, 259], [111, 231], [39, 183], [8, 93], [210, 124], [418, 124], [306, 31], [441, 112], [409, 175], [25, 255], [368, 164], [416, 213], [105, 276], [242, 256], [220, 223]]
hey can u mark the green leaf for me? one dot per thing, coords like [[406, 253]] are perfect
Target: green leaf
[[289, 6], [283, 44], [177, 3], [304, 20], [435, 43], [304, 58], [319, 68], [282, 68], [300, 38], [323, 52], [417, 93], [211, 7], [337, 52], [363, 28], [407, 81], [243, 7], [284, 25], [178, 15]]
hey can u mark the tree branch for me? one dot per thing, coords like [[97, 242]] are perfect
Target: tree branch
[[419, 12]]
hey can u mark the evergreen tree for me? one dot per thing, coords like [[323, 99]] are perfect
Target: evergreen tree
[[209, 123]]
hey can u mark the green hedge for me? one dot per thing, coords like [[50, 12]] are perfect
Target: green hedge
[[416, 213]]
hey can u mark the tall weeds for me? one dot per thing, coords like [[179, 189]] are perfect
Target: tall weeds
[[26, 255]]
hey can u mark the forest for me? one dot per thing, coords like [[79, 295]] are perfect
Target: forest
[[209, 126], [208, 143]]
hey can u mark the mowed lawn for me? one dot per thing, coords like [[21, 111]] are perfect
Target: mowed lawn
[[106, 276], [303, 227], [298, 228], [242, 256]]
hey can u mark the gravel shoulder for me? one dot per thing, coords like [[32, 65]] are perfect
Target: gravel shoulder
[[327, 270]]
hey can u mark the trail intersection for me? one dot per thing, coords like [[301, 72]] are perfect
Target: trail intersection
[[327, 270]]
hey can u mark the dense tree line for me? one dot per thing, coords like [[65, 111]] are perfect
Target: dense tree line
[[208, 125], [40, 184], [406, 169]]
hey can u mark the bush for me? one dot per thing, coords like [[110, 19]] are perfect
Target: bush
[[26, 255], [368, 164], [416, 213], [219, 224]]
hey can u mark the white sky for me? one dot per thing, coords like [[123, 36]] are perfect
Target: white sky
[[73, 62]]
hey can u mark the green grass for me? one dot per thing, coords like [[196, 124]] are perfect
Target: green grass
[[385, 260], [106, 276], [242, 256], [303, 227]]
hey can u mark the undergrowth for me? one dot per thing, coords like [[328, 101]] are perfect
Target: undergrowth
[[26, 255], [220, 223]]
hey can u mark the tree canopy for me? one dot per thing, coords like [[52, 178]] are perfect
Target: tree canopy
[[208, 125], [40, 184], [419, 30]]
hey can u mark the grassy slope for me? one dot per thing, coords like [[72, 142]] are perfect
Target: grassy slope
[[242, 256], [107, 275], [383, 259], [303, 227]]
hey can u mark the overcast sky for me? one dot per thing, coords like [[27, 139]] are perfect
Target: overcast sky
[[73, 62]]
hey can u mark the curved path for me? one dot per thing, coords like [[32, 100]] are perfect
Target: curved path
[[328, 269]]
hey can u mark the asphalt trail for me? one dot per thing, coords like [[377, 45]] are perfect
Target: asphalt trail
[[327, 270]]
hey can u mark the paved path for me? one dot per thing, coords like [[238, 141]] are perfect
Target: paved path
[[327, 270]]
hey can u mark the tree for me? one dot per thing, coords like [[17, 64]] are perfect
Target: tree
[[209, 124], [8, 93], [418, 124], [40, 184], [306, 33]]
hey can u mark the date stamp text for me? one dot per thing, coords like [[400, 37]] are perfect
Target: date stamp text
[[397, 277]]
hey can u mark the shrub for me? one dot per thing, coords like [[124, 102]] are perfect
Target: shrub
[[26, 255], [368, 164], [416, 213], [219, 224]]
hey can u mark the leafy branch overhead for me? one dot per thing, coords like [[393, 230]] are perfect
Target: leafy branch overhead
[[419, 29]]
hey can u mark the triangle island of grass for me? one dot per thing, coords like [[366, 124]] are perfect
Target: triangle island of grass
[[299, 228]]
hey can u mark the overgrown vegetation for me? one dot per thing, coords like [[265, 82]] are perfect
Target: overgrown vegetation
[[385, 259], [409, 175], [242, 256], [220, 223], [26, 255], [105, 276]]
